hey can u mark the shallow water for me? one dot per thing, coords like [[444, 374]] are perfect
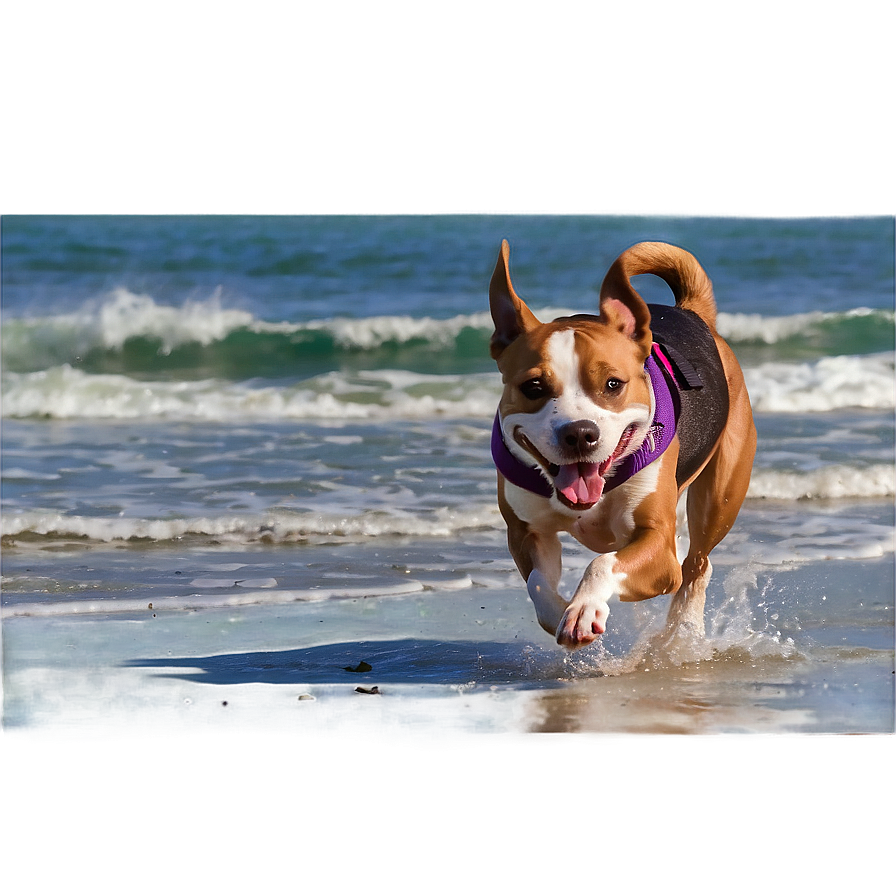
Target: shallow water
[[249, 749], [788, 650]]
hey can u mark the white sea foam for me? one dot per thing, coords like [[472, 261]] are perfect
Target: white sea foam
[[782, 542], [760, 328], [271, 527], [64, 392], [845, 381], [763, 328], [782, 535], [835, 481], [226, 597], [19, 473], [786, 536], [110, 321], [372, 332]]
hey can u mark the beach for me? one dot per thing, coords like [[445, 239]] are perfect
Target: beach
[[257, 598]]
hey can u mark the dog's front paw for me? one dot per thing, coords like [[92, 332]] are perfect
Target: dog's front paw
[[582, 623]]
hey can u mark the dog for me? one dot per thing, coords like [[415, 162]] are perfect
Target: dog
[[605, 420]]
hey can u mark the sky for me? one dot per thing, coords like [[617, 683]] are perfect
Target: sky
[[771, 109]]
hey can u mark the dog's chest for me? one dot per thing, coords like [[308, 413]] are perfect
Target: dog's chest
[[608, 526]]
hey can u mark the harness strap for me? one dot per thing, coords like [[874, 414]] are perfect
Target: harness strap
[[667, 406], [683, 373]]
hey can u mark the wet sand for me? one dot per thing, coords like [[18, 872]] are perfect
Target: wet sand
[[188, 738]]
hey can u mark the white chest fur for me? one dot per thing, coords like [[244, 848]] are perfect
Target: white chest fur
[[607, 526]]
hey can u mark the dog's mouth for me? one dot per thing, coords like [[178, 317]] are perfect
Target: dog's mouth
[[580, 485]]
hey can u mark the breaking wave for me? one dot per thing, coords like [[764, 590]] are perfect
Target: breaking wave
[[275, 527], [130, 333], [845, 381], [66, 393], [834, 482]]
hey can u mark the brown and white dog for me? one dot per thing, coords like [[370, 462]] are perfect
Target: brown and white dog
[[604, 422]]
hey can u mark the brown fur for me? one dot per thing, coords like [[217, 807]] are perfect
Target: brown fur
[[642, 560], [681, 271]]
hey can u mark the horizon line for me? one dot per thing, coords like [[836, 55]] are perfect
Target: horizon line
[[444, 214]]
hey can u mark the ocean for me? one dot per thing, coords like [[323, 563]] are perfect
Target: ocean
[[246, 479]]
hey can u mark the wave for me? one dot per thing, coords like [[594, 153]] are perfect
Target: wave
[[834, 482], [203, 601], [130, 333], [781, 540], [66, 393], [856, 331], [253, 593], [831, 482], [276, 527], [108, 324], [379, 395], [824, 385], [126, 357]]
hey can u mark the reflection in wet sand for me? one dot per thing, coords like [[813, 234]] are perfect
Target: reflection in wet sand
[[708, 698]]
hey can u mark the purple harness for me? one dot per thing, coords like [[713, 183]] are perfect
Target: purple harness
[[662, 430]]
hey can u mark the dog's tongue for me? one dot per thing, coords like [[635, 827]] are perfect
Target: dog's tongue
[[580, 483]]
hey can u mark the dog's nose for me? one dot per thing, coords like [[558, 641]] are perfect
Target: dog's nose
[[579, 437]]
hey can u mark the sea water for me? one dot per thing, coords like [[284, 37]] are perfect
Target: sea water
[[209, 412], [249, 453]]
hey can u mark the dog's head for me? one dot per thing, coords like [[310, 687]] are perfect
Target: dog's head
[[576, 396]]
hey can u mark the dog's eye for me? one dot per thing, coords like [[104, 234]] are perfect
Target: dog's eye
[[534, 388], [614, 384]]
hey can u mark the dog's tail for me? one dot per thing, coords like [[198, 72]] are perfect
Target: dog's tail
[[684, 274]]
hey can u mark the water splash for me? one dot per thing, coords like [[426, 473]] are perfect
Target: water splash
[[742, 626]]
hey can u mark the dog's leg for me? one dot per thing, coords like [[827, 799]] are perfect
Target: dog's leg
[[714, 500], [641, 570], [586, 616], [538, 557], [686, 609], [543, 581]]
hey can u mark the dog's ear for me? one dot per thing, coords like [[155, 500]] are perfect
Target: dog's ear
[[510, 313], [621, 306]]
